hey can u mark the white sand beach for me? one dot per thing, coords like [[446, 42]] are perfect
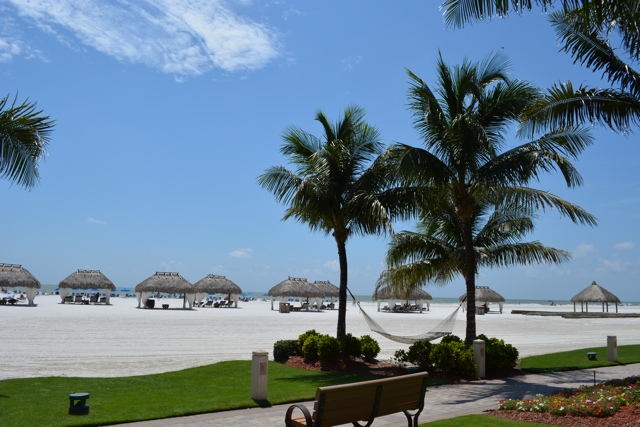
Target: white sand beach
[[54, 339]]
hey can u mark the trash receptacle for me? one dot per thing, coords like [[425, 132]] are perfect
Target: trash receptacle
[[285, 307], [151, 303]]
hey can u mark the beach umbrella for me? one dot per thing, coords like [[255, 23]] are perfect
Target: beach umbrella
[[212, 284], [595, 293], [295, 286], [485, 295], [15, 275], [86, 279], [171, 283]]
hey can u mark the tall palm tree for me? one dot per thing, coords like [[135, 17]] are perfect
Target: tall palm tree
[[24, 135], [464, 178], [584, 28], [335, 186]]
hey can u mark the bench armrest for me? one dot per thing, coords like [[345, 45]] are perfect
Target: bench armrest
[[305, 412]]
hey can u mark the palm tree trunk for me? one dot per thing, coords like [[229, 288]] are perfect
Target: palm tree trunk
[[342, 307]]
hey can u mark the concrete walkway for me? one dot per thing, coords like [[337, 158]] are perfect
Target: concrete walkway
[[441, 402]]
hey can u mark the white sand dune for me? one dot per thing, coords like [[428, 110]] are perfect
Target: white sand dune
[[56, 339]]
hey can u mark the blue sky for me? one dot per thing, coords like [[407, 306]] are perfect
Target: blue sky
[[167, 111]]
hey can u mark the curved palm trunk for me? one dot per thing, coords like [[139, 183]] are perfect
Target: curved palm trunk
[[470, 281], [342, 306]]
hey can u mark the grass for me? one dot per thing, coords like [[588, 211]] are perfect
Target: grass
[[44, 402], [577, 359], [223, 386]]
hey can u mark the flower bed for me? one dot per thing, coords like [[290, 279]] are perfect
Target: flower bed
[[600, 401]]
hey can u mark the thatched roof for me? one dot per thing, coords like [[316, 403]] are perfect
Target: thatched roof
[[485, 294], [595, 293], [171, 283], [298, 287], [213, 284], [387, 293], [87, 279], [17, 276], [328, 288]]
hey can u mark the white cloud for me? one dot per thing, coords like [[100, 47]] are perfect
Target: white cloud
[[624, 245], [611, 266], [91, 220], [184, 38], [582, 250], [350, 62], [332, 265], [241, 253]]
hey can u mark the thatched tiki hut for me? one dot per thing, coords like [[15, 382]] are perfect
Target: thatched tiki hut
[[485, 295], [389, 294], [86, 279], [595, 293], [212, 284], [14, 275], [171, 283], [329, 289], [294, 287]]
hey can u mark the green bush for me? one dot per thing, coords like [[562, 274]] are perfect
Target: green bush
[[369, 347], [419, 354], [328, 348], [284, 349], [350, 347], [401, 357], [303, 337], [500, 357], [310, 347], [454, 358]]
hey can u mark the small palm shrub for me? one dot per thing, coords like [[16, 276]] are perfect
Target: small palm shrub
[[350, 347], [500, 357], [369, 347]]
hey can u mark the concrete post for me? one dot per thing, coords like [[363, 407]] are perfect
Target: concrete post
[[612, 348], [259, 374], [479, 355]]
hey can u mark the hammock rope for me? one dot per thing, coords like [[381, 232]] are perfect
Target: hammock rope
[[445, 327]]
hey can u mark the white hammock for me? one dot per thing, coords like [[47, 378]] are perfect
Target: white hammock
[[440, 330]]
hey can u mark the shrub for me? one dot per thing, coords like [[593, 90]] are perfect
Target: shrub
[[350, 347], [310, 347], [284, 349], [419, 354], [401, 357], [500, 357], [303, 337], [328, 348], [454, 358], [369, 347]]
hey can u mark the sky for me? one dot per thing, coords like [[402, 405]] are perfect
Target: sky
[[167, 111]]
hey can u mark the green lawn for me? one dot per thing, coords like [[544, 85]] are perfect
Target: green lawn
[[44, 401]]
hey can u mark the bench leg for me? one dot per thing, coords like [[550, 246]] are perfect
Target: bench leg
[[412, 419]]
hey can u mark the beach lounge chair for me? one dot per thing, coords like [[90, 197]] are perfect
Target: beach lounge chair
[[68, 298], [93, 299], [77, 299], [208, 303]]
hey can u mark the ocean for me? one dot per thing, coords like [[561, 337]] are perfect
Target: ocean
[[51, 289]]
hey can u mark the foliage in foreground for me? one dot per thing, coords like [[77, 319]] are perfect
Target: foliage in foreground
[[602, 400], [315, 346]]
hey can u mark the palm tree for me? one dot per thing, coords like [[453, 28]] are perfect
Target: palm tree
[[24, 135], [471, 191], [584, 27], [334, 188]]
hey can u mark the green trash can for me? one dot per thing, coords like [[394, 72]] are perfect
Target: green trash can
[[78, 404]]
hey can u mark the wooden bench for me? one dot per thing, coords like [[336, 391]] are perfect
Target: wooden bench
[[364, 401]]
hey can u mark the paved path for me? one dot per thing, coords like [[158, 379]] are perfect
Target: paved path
[[441, 402]]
